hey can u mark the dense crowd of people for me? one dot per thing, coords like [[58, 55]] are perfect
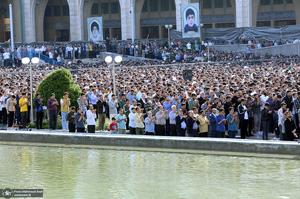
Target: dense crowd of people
[[178, 51], [231, 98]]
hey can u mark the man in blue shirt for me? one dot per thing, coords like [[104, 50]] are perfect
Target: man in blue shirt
[[131, 97], [221, 121], [167, 106], [150, 124], [79, 121], [121, 121], [213, 123], [39, 110], [232, 121]]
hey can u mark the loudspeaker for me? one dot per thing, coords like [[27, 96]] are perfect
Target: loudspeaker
[[187, 74]]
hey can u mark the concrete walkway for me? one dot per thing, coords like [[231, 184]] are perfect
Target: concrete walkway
[[154, 142]]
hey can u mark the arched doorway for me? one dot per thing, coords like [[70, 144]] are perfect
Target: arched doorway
[[57, 21], [110, 12], [151, 16], [52, 20]]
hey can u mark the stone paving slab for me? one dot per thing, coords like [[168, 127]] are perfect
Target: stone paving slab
[[183, 143]]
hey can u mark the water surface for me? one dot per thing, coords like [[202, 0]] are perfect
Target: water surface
[[94, 173]]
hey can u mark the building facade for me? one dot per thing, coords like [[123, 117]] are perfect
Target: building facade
[[66, 20]]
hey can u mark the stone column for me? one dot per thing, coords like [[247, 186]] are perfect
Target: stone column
[[125, 19], [75, 25], [28, 19], [297, 11], [243, 13]]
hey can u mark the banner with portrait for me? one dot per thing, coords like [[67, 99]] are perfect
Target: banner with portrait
[[190, 20], [95, 29]]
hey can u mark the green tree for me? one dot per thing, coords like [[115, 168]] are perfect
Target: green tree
[[58, 82]]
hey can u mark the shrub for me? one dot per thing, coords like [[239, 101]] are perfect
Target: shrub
[[58, 82]]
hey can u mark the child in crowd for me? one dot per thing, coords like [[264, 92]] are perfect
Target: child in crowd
[[113, 127]]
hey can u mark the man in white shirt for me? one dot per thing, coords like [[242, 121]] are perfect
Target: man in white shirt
[[91, 116], [6, 58], [131, 121]]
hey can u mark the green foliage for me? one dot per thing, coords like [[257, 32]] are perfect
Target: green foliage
[[45, 124], [58, 82]]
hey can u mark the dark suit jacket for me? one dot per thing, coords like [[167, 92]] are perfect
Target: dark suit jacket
[[100, 106], [179, 121]]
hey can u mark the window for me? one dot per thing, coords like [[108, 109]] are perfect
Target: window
[[265, 2], [225, 25], [48, 11], [56, 11], [207, 25], [278, 1], [145, 6], [164, 4], [106, 33], [289, 1], [95, 9], [206, 4], [114, 7], [228, 4], [153, 32], [154, 5], [218, 3], [117, 33], [66, 10], [285, 23], [263, 24], [6, 14], [104, 7]]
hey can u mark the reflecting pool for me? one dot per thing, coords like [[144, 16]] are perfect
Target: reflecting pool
[[94, 173]]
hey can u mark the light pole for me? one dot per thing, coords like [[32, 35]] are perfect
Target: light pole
[[33, 61], [117, 60], [169, 27], [200, 31]]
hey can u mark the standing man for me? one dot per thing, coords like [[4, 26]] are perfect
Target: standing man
[[82, 102], [113, 104], [131, 121], [297, 111], [139, 122], [39, 110], [213, 123], [243, 116], [11, 102], [172, 116], [232, 120], [150, 124], [91, 116], [71, 120], [52, 107], [256, 104], [79, 121], [101, 104], [23, 102], [65, 104], [180, 123], [121, 121], [265, 117], [1, 102]]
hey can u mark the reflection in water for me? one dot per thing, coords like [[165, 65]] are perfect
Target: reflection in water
[[92, 173]]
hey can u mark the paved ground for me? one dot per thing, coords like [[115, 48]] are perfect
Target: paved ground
[[255, 137]]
